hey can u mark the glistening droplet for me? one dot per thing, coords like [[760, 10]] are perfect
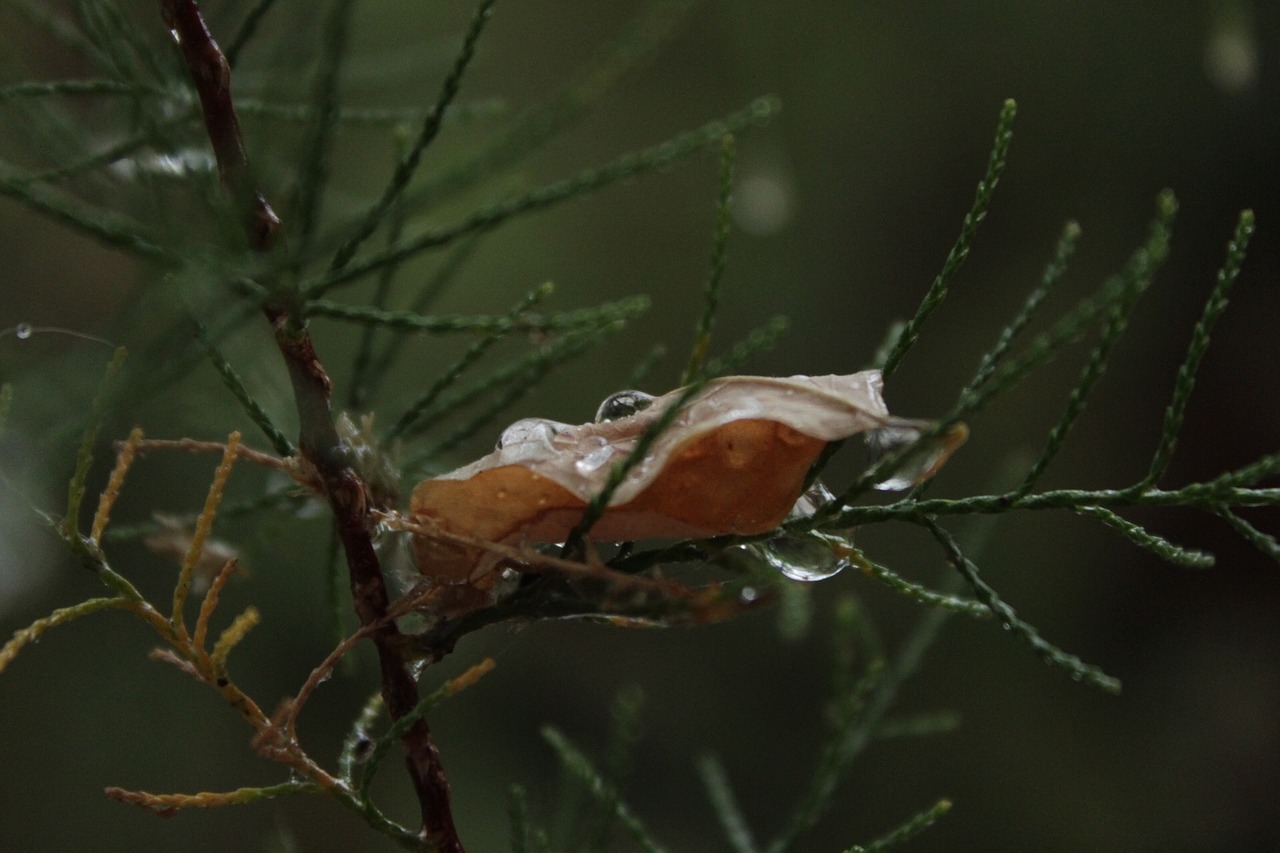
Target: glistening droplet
[[917, 465], [529, 438], [595, 459], [623, 404], [22, 331], [811, 556], [813, 498]]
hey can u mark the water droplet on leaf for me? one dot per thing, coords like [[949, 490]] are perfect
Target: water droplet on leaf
[[529, 438], [917, 465], [595, 459], [623, 404]]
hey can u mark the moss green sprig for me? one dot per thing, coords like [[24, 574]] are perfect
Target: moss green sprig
[[84, 457], [1186, 381], [1053, 272], [1134, 281], [356, 746], [1264, 542], [923, 595], [637, 42], [57, 88], [719, 255], [43, 16], [398, 729], [1045, 650], [231, 378], [525, 837], [270, 500], [913, 827], [108, 228], [6, 402], [473, 354], [960, 251], [577, 764], [510, 383], [248, 29], [380, 364], [838, 750], [1143, 538], [628, 166], [387, 117], [919, 725], [732, 820], [408, 165], [313, 172], [403, 321]]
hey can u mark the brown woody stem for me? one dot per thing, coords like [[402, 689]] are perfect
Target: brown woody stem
[[318, 439]]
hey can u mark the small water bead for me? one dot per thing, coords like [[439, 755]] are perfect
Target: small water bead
[[813, 498], [912, 467], [809, 556], [22, 331], [534, 435], [595, 459], [623, 404]]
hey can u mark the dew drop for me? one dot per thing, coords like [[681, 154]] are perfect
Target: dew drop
[[529, 438], [22, 331], [175, 35], [623, 404], [915, 466], [813, 498], [595, 460], [811, 556]]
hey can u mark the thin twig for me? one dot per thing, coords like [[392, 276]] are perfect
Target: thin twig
[[319, 442]]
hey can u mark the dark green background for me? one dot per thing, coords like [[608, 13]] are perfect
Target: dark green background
[[888, 113]]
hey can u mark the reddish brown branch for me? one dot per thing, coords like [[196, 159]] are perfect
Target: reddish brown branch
[[318, 439], [212, 76]]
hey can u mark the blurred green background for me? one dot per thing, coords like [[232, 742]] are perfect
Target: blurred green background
[[848, 203]]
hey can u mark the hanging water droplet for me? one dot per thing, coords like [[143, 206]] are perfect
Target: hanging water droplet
[[175, 35], [811, 556], [22, 331], [808, 556], [917, 465], [813, 498], [623, 404]]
